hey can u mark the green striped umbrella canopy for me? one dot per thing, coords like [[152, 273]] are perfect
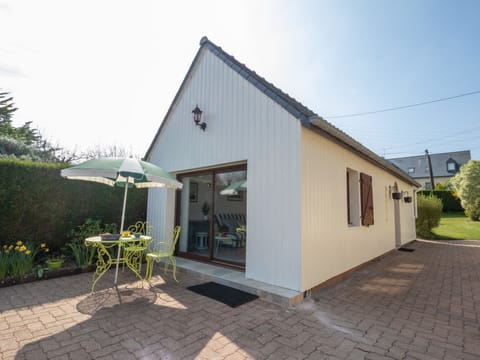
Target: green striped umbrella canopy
[[234, 188], [120, 171], [116, 171]]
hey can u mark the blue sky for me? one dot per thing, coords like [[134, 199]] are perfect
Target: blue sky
[[91, 72]]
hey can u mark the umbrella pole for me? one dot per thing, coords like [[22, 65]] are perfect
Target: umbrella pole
[[121, 229]]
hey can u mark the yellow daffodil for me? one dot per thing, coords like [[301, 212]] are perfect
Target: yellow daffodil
[[43, 245], [23, 248], [47, 249], [19, 243], [5, 247], [10, 247], [28, 252], [17, 247]]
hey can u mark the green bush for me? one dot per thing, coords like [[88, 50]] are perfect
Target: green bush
[[91, 227], [450, 200], [82, 254], [467, 184], [38, 205], [429, 214]]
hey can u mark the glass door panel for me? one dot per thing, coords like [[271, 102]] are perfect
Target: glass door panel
[[196, 207], [230, 217]]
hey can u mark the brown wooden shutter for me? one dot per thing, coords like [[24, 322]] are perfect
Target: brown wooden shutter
[[366, 196]]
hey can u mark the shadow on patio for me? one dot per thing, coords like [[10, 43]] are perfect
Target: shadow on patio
[[164, 321]]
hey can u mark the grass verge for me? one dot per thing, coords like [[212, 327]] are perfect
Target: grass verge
[[456, 226]]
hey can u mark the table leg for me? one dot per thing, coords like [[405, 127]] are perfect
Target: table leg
[[104, 263]]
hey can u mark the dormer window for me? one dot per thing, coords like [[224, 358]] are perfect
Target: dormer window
[[451, 166], [411, 170]]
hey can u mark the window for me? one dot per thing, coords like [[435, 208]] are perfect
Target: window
[[366, 197], [451, 166], [359, 199], [411, 170], [428, 185], [353, 208]]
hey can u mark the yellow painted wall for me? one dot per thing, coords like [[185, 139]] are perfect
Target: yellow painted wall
[[329, 246]]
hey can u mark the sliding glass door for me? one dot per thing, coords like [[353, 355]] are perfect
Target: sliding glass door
[[213, 215], [196, 204]]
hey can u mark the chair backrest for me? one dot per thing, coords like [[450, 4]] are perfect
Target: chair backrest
[[176, 234], [141, 227]]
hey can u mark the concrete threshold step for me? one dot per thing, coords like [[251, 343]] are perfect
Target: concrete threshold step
[[236, 279]]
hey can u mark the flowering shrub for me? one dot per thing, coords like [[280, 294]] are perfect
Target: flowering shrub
[[18, 259]]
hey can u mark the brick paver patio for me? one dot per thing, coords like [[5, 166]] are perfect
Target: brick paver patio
[[419, 305]]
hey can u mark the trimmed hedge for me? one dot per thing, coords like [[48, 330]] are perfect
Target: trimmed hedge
[[449, 200], [38, 205], [429, 214]]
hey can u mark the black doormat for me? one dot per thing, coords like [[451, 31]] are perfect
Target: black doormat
[[224, 294], [406, 249]]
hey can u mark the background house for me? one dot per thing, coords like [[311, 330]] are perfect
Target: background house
[[316, 203], [444, 166]]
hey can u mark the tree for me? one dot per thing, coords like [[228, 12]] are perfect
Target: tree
[[24, 133], [467, 184], [22, 142], [112, 150], [7, 108], [446, 186]]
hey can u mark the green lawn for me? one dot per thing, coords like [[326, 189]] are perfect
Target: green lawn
[[456, 226]]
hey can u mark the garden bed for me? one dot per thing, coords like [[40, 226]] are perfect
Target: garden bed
[[47, 274]]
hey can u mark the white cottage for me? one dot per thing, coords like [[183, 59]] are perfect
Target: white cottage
[[269, 186]]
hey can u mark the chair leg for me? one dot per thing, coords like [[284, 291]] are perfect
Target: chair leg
[[174, 265], [170, 260], [149, 270], [165, 267]]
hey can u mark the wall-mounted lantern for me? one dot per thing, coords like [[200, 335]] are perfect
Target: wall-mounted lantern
[[197, 118], [407, 199]]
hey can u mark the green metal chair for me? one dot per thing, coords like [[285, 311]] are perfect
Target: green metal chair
[[141, 227], [135, 252], [163, 250]]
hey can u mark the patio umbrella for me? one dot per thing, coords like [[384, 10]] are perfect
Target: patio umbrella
[[121, 171], [234, 188]]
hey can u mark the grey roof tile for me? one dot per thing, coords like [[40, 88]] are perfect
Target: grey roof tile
[[419, 163], [260, 86]]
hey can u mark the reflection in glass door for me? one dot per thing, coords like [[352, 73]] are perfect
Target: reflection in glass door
[[230, 219], [213, 215], [196, 206]]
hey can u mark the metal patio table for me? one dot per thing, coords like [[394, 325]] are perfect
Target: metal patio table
[[132, 249]]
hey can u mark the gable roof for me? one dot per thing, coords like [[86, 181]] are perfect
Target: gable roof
[[439, 164], [307, 117]]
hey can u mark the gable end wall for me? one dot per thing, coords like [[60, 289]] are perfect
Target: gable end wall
[[243, 125]]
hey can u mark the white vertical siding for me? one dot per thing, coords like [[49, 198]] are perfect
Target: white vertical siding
[[329, 246], [160, 212], [242, 125]]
